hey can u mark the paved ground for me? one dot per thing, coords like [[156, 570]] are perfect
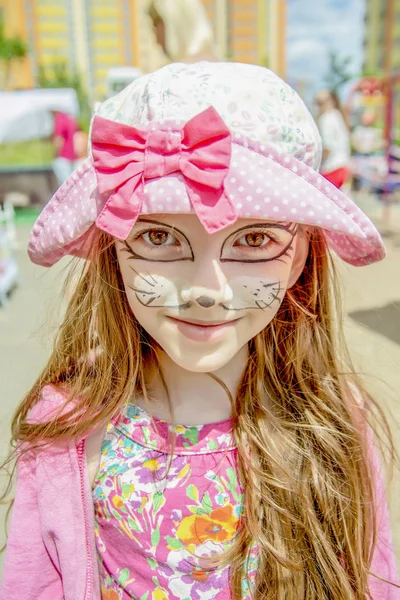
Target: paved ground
[[372, 304]]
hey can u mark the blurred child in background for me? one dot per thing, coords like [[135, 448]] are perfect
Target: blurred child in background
[[182, 30], [335, 136]]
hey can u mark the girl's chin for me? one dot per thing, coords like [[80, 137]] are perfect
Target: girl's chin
[[208, 360], [199, 362], [201, 368]]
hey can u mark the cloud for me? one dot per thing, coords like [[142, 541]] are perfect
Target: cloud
[[307, 56], [316, 27]]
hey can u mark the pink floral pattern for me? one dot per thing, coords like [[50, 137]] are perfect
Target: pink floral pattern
[[162, 511]]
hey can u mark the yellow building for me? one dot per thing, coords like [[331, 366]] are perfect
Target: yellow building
[[105, 32], [382, 37], [21, 72], [113, 33], [90, 36], [252, 31], [93, 36]]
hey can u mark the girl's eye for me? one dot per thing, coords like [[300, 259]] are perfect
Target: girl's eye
[[255, 239], [158, 237], [257, 244], [165, 244]]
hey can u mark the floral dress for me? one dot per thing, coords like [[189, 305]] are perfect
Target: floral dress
[[162, 507]]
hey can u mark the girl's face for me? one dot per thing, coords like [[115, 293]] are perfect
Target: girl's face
[[202, 297]]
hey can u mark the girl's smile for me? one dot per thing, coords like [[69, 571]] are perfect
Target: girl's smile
[[203, 331]]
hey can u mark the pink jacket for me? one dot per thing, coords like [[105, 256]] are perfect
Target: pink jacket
[[51, 552]]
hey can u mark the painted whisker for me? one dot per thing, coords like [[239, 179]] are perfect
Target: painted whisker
[[140, 291], [141, 276]]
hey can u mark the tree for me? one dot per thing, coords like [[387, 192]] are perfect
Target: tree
[[339, 72], [11, 49]]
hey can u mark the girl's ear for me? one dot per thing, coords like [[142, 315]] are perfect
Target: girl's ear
[[300, 256]]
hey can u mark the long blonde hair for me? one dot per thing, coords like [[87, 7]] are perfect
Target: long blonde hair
[[299, 432]]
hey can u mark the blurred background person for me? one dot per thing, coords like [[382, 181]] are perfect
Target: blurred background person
[[335, 136], [369, 157], [183, 30], [366, 138], [65, 128]]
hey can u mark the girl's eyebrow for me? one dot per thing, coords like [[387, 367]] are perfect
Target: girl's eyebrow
[[286, 226], [283, 225], [152, 221]]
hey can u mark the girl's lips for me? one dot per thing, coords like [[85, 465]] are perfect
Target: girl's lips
[[203, 331]]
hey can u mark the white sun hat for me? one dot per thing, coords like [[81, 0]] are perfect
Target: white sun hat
[[222, 140]]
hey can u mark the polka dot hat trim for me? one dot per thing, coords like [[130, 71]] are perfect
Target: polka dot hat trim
[[260, 183]]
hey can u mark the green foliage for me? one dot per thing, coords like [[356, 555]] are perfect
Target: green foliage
[[31, 153], [339, 72], [371, 72], [60, 76], [11, 48]]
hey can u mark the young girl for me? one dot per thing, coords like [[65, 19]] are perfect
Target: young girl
[[195, 433]]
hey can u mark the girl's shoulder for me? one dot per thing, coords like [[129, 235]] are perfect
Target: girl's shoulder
[[355, 395], [53, 402], [358, 404]]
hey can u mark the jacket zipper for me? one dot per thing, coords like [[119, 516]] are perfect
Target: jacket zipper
[[89, 574]]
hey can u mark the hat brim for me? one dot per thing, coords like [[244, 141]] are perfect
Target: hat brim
[[261, 183]]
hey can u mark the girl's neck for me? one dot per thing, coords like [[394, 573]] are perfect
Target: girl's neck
[[196, 398]]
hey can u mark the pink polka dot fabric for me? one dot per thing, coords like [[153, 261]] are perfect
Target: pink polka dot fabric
[[272, 175]]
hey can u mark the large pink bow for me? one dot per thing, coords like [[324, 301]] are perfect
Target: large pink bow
[[124, 157]]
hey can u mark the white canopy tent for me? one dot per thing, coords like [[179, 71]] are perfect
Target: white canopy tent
[[26, 115]]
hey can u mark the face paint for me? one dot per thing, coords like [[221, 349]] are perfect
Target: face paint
[[254, 294], [158, 291], [203, 297], [257, 238]]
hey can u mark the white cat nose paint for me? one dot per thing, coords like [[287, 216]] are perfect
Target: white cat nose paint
[[207, 298]]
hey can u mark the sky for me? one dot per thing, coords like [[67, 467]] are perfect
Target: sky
[[314, 28]]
